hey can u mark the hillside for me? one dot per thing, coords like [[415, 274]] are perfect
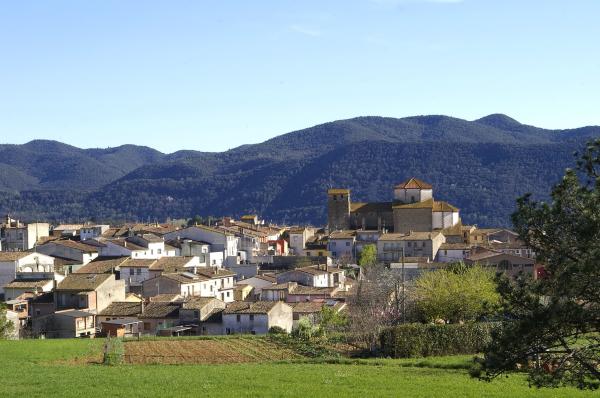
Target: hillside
[[480, 166]]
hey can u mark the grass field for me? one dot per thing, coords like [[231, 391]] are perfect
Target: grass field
[[43, 368]]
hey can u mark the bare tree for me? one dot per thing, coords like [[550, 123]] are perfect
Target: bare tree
[[380, 298]]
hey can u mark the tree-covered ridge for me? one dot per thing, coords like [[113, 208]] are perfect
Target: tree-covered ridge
[[479, 166]]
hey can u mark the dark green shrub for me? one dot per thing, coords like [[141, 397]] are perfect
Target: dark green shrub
[[277, 330], [420, 340]]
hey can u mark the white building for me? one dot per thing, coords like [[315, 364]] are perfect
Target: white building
[[219, 241], [15, 263]]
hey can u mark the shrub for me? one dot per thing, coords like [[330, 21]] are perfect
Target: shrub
[[421, 340], [113, 351], [277, 330]]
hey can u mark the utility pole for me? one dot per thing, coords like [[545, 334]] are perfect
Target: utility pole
[[403, 291]]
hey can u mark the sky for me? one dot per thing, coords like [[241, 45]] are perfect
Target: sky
[[213, 75]]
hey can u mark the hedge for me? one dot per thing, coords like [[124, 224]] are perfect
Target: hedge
[[420, 340]]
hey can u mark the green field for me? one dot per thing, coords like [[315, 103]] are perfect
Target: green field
[[43, 368]]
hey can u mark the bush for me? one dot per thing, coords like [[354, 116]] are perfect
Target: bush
[[114, 351], [277, 330], [420, 340]]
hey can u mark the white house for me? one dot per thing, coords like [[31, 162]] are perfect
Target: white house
[[257, 317], [15, 263], [92, 231], [341, 244], [69, 249], [220, 241]]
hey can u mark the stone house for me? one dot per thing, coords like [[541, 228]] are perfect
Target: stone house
[[65, 324], [90, 292], [256, 317], [391, 247]]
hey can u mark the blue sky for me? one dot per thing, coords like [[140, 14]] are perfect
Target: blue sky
[[212, 75]]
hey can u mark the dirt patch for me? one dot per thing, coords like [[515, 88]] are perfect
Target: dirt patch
[[214, 351]]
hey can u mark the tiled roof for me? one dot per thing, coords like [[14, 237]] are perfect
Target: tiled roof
[[138, 263], [185, 277], [307, 307], [122, 308], [27, 283], [313, 270], [455, 246], [243, 307], [338, 191], [101, 266], [160, 310], [413, 183], [342, 235], [197, 303], [171, 264], [127, 245], [369, 207], [411, 236], [82, 282], [13, 256], [214, 273], [300, 289], [268, 278], [151, 238], [71, 244], [167, 298]]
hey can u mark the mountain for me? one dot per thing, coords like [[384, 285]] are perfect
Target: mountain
[[481, 166]]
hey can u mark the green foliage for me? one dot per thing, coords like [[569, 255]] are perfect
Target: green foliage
[[422, 340], [332, 321], [553, 323], [305, 329], [457, 294], [6, 326], [113, 351], [492, 161], [368, 256], [277, 330]]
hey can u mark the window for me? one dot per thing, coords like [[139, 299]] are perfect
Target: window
[[131, 271], [139, 271], [409, 244], [228, 294], [347, 243], [151, 251], [422, 244], [238, 318], [251, 317], [159, 251]]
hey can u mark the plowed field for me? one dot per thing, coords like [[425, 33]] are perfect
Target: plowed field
[[213, 351]]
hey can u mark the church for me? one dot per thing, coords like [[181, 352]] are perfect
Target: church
[[413, 208]]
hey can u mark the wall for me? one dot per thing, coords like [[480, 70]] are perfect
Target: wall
[[338, 211], [418, 220]]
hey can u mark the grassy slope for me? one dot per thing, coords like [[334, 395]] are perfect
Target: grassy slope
[[43, 368]]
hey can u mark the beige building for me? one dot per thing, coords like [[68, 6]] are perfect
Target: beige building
[[392, 247], [413, 208], [90, 292]]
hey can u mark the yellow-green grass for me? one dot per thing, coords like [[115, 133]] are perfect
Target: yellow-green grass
[[48, 368]]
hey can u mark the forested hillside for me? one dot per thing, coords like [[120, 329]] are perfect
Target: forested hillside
[[480, 166]]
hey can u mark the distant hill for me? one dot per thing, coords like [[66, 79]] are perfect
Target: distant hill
[[480, 166]]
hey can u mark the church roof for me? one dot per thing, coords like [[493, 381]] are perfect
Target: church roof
[[414, 183], [428, 204]]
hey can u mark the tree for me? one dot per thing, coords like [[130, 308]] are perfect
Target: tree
[[553, 323], [368, 256], [6, 326], [332, 320], [456, 294], [376, 302]]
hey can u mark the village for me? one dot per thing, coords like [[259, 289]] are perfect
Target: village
[[233, 276]]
